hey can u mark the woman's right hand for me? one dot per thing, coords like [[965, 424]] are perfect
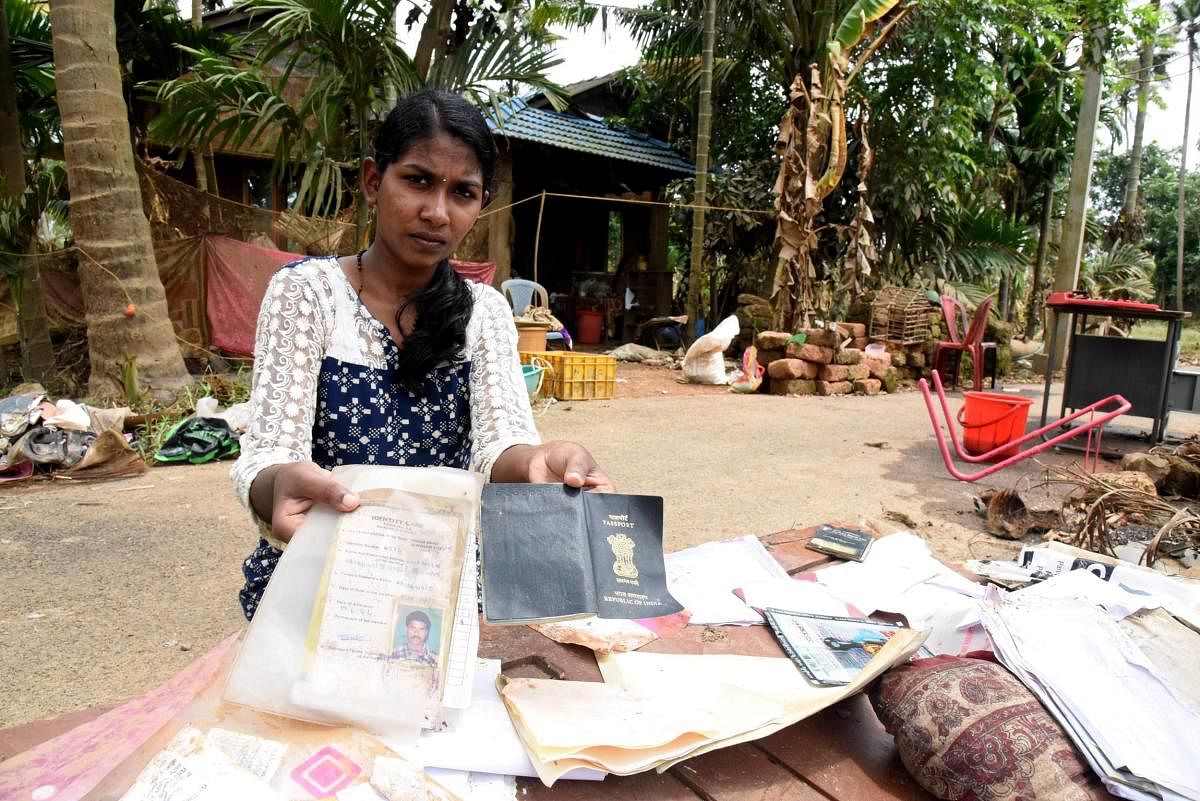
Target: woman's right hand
[[285, 493]]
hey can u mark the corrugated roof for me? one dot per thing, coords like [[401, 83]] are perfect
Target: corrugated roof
[[588, 134]]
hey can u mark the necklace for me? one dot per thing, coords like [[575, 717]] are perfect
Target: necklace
[[361, 278]]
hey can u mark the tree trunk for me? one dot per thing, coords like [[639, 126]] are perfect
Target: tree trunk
[[703, 128], [12, 155], [1066, 272], [1130, 225], [124, 302], [37, 352], [201, 159], [1035, 288], [1181, 212], [434, 35]]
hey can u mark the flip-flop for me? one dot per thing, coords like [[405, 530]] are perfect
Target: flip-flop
[[173, 449]]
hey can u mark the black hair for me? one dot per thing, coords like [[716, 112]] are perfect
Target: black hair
[[420, 617], [443, 308]]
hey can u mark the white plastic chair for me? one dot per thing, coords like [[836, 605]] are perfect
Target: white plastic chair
[[521, 293]]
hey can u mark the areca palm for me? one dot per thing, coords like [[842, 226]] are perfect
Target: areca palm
[[345, 56], [1187, 15]]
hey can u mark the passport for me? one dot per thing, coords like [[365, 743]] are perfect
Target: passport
[[551, 552]]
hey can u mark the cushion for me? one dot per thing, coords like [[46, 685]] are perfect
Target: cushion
[[968, 729]]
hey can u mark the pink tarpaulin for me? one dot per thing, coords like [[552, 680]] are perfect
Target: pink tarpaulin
[[237, 275], [481, 272], [237, 278], [67, 767]]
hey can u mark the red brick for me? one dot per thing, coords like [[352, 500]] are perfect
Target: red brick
[[772, 340], [861, 342], [834, 372], [833, 387], [795, 386], [848, 356], [877, 366], [765, 357], [811, 353], [868, 386], [857, 372], [822, 337], [785, 369]]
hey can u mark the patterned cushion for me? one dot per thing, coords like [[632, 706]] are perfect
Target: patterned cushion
[[968, 729]]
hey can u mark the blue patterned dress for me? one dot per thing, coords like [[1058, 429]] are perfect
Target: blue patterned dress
[[325, 390]]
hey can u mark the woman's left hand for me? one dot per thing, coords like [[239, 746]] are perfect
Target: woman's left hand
[[560, 461]]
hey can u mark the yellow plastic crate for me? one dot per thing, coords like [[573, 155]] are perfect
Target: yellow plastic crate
[[577, 376]]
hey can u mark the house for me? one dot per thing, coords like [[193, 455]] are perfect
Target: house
[[574, 202], [599, 229]]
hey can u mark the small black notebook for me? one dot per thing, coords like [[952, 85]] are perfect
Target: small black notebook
[[550, 552], [845, 543]]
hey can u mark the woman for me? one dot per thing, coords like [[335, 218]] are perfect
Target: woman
[[388, 356]]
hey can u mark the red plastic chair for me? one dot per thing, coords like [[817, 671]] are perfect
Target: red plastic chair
[[1094, 425], [948, 355]]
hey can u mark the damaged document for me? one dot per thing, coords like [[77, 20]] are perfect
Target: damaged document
[[656, 710], [361, 623], [1134, 727], [703, 579], [901, 576]]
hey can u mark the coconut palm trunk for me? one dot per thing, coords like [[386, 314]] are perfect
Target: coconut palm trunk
[[1132, 226], [703, 129], [129, 332], [1181, 212]]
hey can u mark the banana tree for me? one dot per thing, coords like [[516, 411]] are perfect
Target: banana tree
[[813, 150]]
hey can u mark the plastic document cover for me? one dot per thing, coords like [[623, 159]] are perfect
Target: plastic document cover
[[358, 625]]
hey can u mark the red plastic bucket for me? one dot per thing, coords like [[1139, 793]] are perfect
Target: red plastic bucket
[[990, 419], [590, 325]]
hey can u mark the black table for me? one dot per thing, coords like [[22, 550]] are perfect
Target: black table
[[1099, 366]]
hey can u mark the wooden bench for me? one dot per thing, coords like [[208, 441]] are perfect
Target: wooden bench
[[843, 753]]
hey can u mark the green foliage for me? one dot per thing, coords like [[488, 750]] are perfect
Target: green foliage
[[312, 82], [33, 75], [1158, 200], [1123, 272], [737, 244]]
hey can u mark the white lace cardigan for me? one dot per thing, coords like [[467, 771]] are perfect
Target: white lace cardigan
[[311, 311]]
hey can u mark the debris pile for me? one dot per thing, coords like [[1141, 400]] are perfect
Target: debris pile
[[836, 361], [1138, 514]]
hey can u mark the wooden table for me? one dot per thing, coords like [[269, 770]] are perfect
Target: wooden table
[[842, 753]]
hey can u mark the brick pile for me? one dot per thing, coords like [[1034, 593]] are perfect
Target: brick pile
[[834, 362]]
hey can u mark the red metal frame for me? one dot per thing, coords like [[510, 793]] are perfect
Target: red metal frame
[[1095, 423]]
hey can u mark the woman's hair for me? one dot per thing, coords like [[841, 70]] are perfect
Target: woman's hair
[[444, 307]]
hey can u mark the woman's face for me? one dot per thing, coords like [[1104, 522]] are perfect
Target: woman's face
[[426, 200]]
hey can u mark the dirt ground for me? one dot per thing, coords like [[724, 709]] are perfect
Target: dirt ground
[[110, 588]]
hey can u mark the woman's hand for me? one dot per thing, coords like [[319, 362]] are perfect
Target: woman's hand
[[285, 493], [550, 463]]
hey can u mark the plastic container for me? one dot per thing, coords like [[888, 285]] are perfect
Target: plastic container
[[576, 376], [531, 336], [533, 378], [989, 420], [590, 325]]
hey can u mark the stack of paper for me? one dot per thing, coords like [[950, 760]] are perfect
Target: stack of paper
[[1129, 720], [900, 575], [655, 710], [703, 579]]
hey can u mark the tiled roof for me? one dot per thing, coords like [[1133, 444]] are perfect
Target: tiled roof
[[588, 134]]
